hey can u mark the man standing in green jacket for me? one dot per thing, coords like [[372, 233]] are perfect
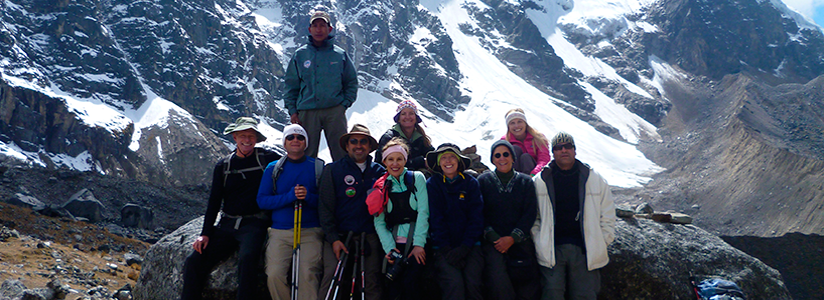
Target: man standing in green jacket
[[321, 83]]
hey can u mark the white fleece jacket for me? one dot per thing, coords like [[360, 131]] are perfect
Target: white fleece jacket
[[598, 226]]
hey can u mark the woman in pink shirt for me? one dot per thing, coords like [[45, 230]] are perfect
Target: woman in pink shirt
[[531, 146]]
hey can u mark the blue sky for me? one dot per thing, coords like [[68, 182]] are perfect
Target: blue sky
[[818, 16], [813, 9]]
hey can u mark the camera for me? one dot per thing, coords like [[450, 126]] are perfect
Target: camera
[[395, 255], [397, 267]]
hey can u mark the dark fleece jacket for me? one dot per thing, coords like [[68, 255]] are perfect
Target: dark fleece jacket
[[455, 211], [509, 209]]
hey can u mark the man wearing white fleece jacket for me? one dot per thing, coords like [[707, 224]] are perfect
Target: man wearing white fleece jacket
[[575, 224]]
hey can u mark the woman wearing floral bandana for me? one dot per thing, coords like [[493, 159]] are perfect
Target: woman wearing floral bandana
[[408, 127]]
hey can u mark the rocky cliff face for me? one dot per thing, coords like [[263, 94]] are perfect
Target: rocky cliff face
[[123, 54], [751, 158], [43, 124], [528, 53], [716, 38], [198, 54], [702, 38]]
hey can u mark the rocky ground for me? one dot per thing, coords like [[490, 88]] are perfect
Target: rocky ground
[[172, 205], [89, 261]]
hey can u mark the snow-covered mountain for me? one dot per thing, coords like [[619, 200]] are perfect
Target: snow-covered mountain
[[144, 88]]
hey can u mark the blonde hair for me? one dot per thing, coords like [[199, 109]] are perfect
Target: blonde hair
[[396, 141], [539, 140]]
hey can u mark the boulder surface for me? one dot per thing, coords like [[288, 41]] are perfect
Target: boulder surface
[[651, 260], [648, 260], [161, 275]]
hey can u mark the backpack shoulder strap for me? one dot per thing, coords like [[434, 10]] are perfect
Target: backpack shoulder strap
[[228, 170], [259, 157], [276, 170], [409, 179], [227, 163]]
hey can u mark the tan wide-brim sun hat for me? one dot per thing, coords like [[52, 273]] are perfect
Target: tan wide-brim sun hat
[[358, 129], [242, 124]]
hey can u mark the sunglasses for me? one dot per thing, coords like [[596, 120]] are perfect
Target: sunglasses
[[564, 146], [498, 155], [293, 136], [359, 141]]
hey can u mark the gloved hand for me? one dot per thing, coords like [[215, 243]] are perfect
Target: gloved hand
[[457, 257]]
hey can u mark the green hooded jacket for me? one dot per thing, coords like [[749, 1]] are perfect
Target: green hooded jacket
[[320, 77]]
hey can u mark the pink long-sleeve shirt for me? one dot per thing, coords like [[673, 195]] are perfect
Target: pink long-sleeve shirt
[[541, 155]]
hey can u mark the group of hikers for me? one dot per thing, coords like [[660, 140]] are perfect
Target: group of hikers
[[536, 227]]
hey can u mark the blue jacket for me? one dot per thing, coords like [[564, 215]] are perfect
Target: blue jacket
[[343, 190], [320, 77], [455, 211], [282, 203]]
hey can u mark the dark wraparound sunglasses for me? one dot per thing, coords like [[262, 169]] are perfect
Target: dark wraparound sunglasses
[[498, 155], [293, 136], [359, 141], [564, 146]]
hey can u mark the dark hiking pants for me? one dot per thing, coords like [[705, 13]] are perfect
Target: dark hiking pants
[[248, 240]]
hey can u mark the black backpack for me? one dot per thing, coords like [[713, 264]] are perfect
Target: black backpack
[[227, 163]]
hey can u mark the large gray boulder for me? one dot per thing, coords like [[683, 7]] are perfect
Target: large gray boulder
[[133, 215], [84, 204], [651, 260], [25, 201], [648, 260], [161, 276], [11, 288]]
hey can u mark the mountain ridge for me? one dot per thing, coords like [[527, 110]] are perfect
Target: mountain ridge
[[143, 89]]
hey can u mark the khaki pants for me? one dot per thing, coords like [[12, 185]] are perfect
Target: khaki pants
[[279, 262], [333, 123]]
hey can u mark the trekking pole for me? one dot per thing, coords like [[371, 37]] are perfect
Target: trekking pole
[[362, 270], [354, 273], [338, 269], [296, 248]]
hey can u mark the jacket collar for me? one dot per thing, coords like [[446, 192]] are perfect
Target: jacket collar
[[398, 183], [329, 42], [415, 134], [460, 177], [347, 160], [509, 185]]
